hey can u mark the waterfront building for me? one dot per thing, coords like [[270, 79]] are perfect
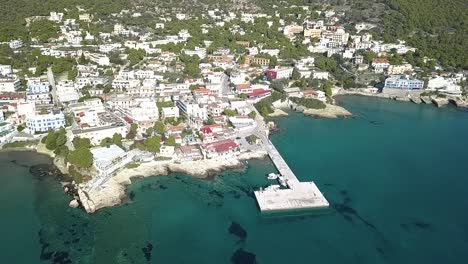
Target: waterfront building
[[166, 151], [109, 159], [42, 123], [221, 148], [189, 153], [6, 131], [405, 82], [96, 134]]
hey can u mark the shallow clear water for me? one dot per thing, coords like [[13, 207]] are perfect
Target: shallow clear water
[[395, 173]]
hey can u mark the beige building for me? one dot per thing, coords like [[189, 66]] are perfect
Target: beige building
[[254, 60], [399, 69]]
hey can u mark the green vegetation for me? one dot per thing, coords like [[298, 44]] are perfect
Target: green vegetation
[[81, 157], [191, 65], [55, 140], [81, 142], [437, 28], [76, 175], [171, 142], [174, 121], [12, 15], [327, 88], [132, 132], [153, 144], [308, 102], [159, 127], [252, 139], [63, 65], [116, 139], [264, 106], [326, 64], [229, 112], [135, 56], [43, 30], [253, 114], [209, 120]]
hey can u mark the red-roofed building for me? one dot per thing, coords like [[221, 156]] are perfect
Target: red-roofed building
[[209, 133], [258, 94], [175, 130], [380, 64], [244, 88], [216, 128], [320, 95], [308, 93], [201, 91], [189, 153], [220, 119], [221, 148]]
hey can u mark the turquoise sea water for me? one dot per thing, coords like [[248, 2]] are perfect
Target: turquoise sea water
[[396, 175]]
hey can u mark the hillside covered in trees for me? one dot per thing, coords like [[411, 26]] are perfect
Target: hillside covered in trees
[[438, 28], [14, 12]]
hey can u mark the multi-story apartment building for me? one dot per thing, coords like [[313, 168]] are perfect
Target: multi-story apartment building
[[404, 82], [9, 84], [279, 73], [42, 123]]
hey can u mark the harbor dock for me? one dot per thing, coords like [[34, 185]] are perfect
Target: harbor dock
[[295, 195]]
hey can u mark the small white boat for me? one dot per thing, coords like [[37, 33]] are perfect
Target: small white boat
[[273, 176]]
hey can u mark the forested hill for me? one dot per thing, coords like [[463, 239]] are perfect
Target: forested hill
[[14, 12], [438, 28]]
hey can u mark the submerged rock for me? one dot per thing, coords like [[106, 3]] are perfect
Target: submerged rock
[[237, 230], [147, 251], [243, 257]]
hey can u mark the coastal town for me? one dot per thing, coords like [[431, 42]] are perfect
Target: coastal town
[[111, 99]]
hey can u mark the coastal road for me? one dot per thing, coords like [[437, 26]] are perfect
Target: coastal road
[[50, 77]]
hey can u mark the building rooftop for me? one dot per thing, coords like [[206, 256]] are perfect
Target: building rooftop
[[106, 155], [221, 146]]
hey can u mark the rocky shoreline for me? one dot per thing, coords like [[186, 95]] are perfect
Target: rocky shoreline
[[415, 97], [113, 192], [330, 110]]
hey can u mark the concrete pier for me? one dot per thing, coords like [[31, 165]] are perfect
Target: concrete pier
[[298, 195]]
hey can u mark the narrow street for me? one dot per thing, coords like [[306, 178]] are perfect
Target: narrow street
[[53, 92]]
